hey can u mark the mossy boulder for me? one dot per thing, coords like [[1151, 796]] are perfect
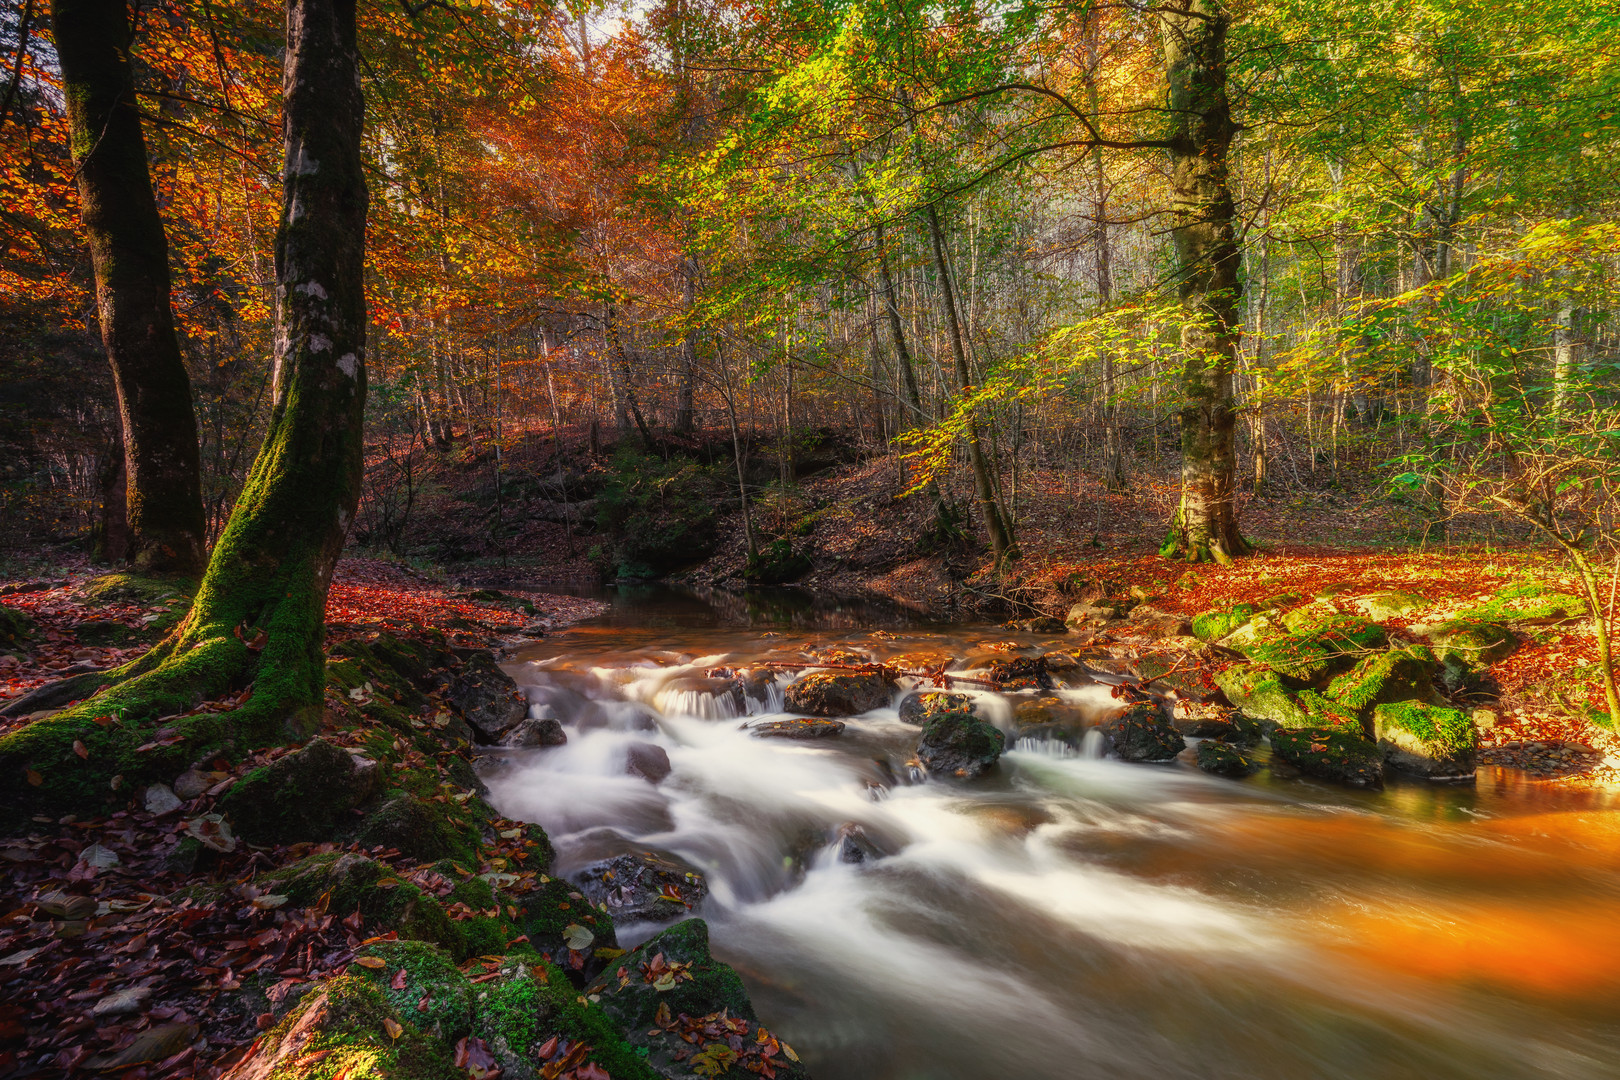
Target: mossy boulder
[[16, 627], [529, 1003], [1397, 675], [1428, 741], [418, 829], [1260, 696], [921, 707], [798, 727], [146, 590], [346, 1027], [1337, 753], [1325, 648], [549, 910], [839, 693], [306, 795], [1262, 626], [959, 744], [354, 882], [1469, 640], [432, 992], [1226, 759], [671, 985], [1529, 603], [1141, 733], [1389, 604]]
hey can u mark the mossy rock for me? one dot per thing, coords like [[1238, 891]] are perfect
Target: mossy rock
[[1260, 628], [1529, 603], [345, 1027], [839, 693], [144, 589], [1225, 759], [1214, 625], [1470, 641], [1310, 616], [1428, 741], [1389, 604], [1261, 697], [531, 1000], [1313, 656], [1398, 675], [921, 707], [959, 744], [1141, 733], [102, 632], [701, 987], [436, 995], [418, 829], [17, 627], [356, 883], [306, 795], [1340, 754], [546, 912]]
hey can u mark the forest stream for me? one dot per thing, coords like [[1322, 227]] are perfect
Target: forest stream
[[1069, 915]]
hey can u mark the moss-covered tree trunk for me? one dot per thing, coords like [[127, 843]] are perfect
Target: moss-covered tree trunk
[[255, 629], [1208, 265], [130, 256]]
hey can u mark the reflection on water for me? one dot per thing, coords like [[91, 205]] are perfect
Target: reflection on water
[[1068, 916]]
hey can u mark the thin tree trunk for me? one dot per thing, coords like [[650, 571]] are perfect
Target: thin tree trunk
[[984, 489], [130, 256], [1209, 262], [897, 333]]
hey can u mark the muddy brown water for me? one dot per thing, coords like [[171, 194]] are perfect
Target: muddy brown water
[[1072, 916]]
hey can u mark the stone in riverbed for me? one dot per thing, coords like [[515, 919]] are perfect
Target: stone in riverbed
[[486, 695], [839, 693], [1141, 733], [648, 761], [920, 708], [796, 728], [1437, 743], [536, 732], [1338, 753], [641, 887], [960, 744], [1225, 759]]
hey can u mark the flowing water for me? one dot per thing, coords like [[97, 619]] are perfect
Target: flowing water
[[1070, 916]]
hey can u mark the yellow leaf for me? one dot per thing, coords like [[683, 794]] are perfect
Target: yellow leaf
[[392, 1027], [373, 962]]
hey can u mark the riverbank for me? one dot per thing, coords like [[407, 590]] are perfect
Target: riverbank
[[343, 905]]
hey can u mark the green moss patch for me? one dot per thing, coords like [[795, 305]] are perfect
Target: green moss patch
[[1217, 624], [1398, 675], [1339, 754], [1425, 740]]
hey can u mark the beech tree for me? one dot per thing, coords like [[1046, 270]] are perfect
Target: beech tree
[[1208, 264], [130, 255], [256, 625]]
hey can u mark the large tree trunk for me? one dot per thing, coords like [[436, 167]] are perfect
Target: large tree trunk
[[131, 259], [1208, 258], [256, 626]]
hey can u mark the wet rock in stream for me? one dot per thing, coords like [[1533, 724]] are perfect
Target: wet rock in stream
[[839, 693], [796, 728], [1141, 733], [960, 744], [536, 732], [642, 887], [486, 695], [920, 708], [648, 761]]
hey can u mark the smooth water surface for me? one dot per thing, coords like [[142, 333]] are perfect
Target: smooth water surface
[[1072, 916]]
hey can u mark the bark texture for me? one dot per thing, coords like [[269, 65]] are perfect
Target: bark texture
[[1208, 266], [130, 256], [256, 626]]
